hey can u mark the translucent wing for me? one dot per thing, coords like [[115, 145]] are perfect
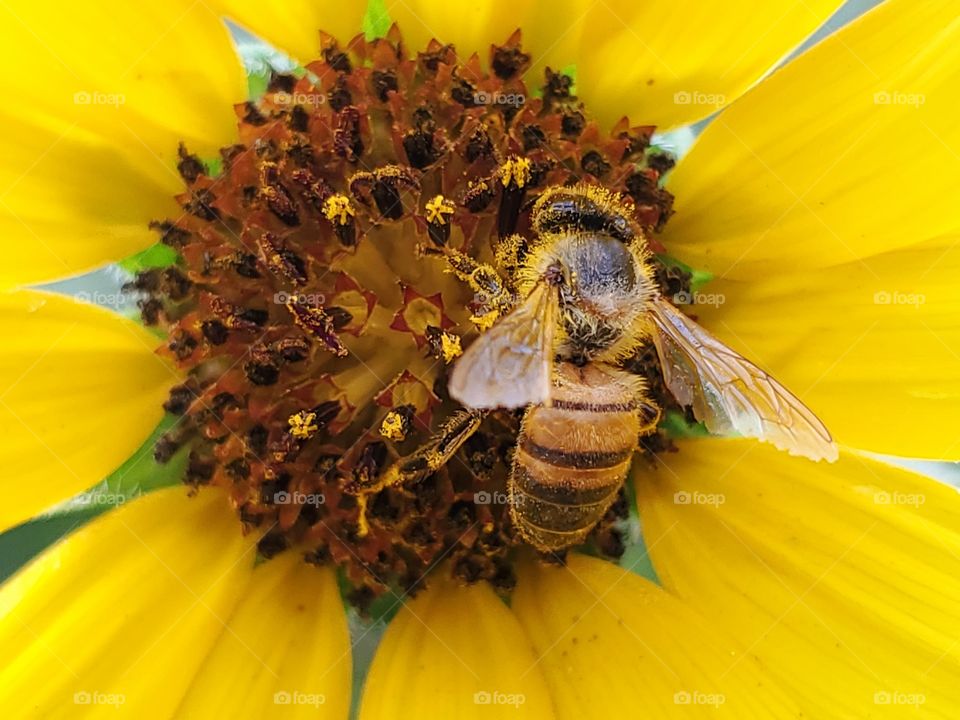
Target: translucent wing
[[728, 393], [510, 365]]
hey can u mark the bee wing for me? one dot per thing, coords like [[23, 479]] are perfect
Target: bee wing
[[511, 364], [728, 393]]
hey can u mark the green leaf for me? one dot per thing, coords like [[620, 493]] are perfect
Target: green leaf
[[376, 21], [676, 426], [571, 72], [698, 278], [155, 256], [383, 608], [636, 559], [257, 83], [21, 544], [365, 637], [214, 166]]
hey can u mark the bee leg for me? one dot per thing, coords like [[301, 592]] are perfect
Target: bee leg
[[493, 293], [423, 462], [437, 451]]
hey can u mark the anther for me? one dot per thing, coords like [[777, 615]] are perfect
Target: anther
[[189, 166], [347, 142], [303, 424], [235, 317], [444, 345], [317, 324], [438, 225], [384, 186], [397, 423], [277, 197], [420, 143], [340, 212], [478, 196], [281, 261], [514, 176]]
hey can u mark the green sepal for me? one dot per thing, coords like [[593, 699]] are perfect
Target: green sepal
[[698, 278], [676, 426], [157, 255], [376, 20]]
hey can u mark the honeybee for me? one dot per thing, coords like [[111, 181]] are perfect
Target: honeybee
[[587, 300]]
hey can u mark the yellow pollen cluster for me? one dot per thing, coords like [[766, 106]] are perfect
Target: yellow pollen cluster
[[485, 321], [303, 424], [337, 208], [393, 426], [437, 208], [450, 347], [516, 169]]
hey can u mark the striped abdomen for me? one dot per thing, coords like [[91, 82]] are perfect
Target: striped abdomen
[[573, 456]]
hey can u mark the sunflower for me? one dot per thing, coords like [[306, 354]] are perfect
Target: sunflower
[[307, 326]]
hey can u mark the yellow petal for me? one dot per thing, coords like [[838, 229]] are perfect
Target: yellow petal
[[843, 580], [872, 345], [670, 63], [455, 652], [848, 151], [120, 614], [104, 92], [81, 389], [294, 25], [551, 31], [285, 651], [613, 644]]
